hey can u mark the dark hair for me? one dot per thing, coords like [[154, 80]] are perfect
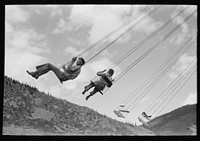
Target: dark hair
[[83, 61], [111, 71]]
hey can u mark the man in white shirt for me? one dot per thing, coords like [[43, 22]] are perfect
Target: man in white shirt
[[70, 73]]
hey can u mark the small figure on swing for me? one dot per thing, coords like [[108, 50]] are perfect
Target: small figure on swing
[[105, 79], [146, 116]]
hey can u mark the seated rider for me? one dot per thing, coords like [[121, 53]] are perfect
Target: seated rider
[[99, 84], [69, 73], [146, 116]]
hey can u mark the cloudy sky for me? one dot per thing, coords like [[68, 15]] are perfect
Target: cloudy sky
[[37, 34]]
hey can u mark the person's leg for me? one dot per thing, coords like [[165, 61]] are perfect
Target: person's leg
[[57, 72], [91, 93], [32, 74], [42, 69], [88, 87]]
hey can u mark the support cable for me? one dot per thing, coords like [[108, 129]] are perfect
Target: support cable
[[176, 82]]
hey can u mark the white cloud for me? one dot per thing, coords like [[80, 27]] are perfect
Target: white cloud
[[184, 61], [37, 11], [26, 39], [191, 99], [180, 36], [77, 42], [104, 19], [56, 12], [61, 27], [181, 65], [81, 15], [73, 51], [21, 45], [185, 32], [179, 20], [14, 14], [70, 86], [147, 25], [17, 62], [108, 54], [189, 10], [145, 99], [55, 90], [173, 75], [102, 64], [53, 10]]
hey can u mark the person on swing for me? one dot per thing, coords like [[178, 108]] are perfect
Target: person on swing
[[146, 116], [69, 73], [104, 80]]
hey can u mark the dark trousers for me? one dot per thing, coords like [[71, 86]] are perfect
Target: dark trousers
[[94, 91], [42, 69]]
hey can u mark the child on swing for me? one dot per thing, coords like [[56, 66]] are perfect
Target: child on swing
[[99, 84]]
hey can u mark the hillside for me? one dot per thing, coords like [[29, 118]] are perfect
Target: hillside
[[26, 111], [176, 122]]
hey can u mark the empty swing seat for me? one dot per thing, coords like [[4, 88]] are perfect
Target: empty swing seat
[[118, 113], [125, 111]]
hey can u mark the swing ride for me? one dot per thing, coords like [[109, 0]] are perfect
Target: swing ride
[[135, 97], [122, 110]]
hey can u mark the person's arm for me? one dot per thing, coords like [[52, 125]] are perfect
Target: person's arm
[[71, 63], [74, 68], [64, 68], [112, 80], [100, 73]]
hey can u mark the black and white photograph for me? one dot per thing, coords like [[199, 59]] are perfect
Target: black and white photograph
[[100, 70]]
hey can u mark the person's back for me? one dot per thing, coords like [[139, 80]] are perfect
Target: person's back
[[105, 79]]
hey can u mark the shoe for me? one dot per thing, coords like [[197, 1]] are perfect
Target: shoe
[[83, 92], [61, 81], [32, 74], [87, 97]]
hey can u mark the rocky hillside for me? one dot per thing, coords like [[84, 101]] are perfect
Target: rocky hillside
[[27, 111], [177, 122]]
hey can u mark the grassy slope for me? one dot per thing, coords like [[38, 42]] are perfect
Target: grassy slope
[[28, 111], [175, 122]]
